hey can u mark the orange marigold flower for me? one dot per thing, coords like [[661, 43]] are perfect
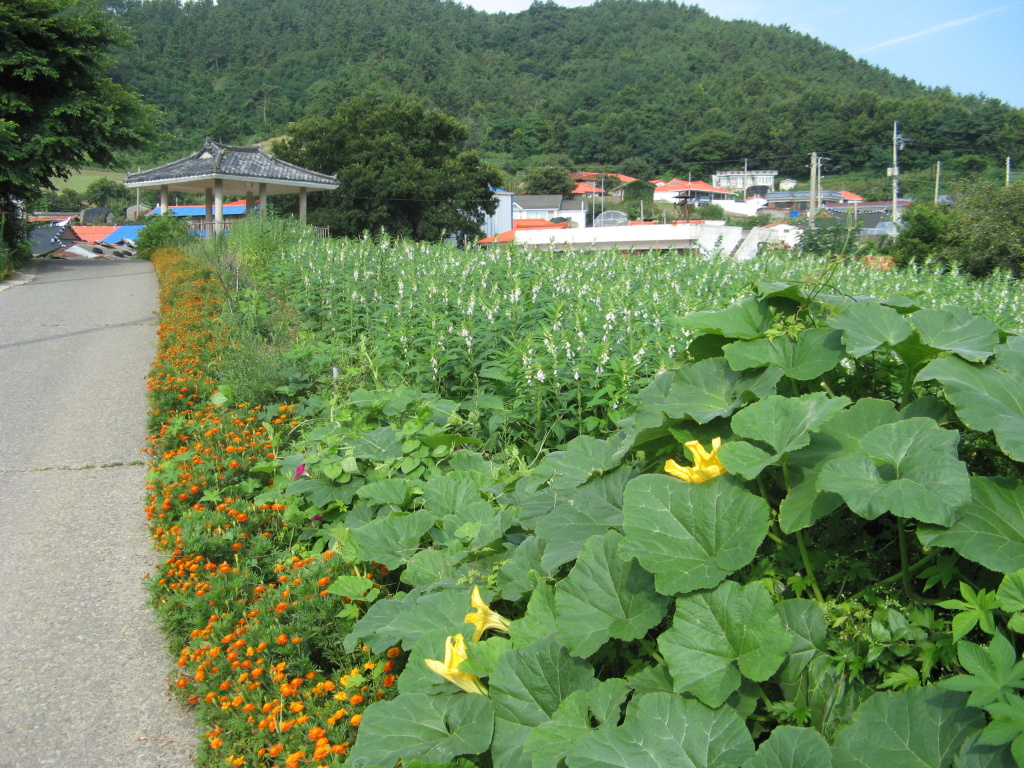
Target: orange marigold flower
[[356, 700], [282, 639], [275, 750], [355, 720], [393, 652], [316, 733]]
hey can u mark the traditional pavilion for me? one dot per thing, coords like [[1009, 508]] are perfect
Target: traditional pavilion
[[220, 170]]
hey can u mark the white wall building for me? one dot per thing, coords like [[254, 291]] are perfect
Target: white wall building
[[743, 180]]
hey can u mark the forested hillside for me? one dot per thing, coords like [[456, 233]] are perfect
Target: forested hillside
[[641, 86]]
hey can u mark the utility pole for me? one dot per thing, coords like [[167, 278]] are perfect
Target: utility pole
[[938, 175], [897, 144], [814, 189], [1007, 171]]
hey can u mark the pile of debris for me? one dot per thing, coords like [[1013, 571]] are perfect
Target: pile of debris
[[67, 240]]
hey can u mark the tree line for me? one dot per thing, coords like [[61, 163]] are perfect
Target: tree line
[[644, 87]]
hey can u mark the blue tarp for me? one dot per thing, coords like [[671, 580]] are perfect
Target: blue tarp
[[127, 232]]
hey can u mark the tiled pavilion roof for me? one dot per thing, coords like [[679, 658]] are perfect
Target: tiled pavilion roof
[[240, 169]]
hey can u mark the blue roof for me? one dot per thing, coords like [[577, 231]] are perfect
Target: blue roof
[[200, 210], [127, 232]]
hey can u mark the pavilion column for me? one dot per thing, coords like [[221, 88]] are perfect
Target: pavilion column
[[263, 199], [218, 205], [248, 202], [302, 204], [209, 206], [165, 198]]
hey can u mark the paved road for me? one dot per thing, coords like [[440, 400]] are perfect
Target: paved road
[[83, 666]]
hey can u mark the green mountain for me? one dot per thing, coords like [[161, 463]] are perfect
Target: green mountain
[[640, 86]]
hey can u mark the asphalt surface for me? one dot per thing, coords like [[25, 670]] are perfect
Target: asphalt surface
[[84, 668]]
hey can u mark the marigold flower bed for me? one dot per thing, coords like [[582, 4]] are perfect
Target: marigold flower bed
[[259, 645]]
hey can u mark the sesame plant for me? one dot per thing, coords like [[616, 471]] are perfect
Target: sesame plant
[[551, 346]]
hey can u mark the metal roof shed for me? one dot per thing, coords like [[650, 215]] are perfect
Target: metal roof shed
[[219, 169]]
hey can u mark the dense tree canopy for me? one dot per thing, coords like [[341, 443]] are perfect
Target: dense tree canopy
[[549, 180], [645, 87], [57, 109], [983, 232], [401, 170]]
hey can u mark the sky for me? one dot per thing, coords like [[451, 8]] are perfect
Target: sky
[[972, 47]]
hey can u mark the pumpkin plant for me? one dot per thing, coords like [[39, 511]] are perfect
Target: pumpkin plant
[[804, 542]]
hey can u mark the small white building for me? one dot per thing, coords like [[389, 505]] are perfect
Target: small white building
[[743, 180]]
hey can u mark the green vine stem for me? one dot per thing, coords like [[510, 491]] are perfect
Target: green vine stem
[[910, 571], [908, 587], [807, 566]]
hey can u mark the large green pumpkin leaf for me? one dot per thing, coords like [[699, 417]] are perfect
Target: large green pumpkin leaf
[[447, 495], [550, 742], [718, 634], [990, 527], [530, 682], [746, 319], [381, 444], [806, 503], [908, 468], [691, 535], [539, 620], [524, 571], [792, 747], [783, 423], [604, 597], [701, 391], [390, 622], [986, 398], [915, 728], [868, 325], [666, 730], [1011, 592], [958, 331], [583, 458], [572, 522], [975, 755], [419, 726], [392, 540], [806, 623], [812, 353]]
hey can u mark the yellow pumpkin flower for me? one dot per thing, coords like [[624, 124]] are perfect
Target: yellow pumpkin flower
[[705, 465], [454, 655], [483, 618]]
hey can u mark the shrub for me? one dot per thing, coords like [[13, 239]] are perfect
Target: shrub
[[165, 231]]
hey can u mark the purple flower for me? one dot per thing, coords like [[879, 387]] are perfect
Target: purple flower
[[315, 518], [300, 471]]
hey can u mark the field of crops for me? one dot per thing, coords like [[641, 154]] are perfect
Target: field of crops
[[563, 340], [501, 509]]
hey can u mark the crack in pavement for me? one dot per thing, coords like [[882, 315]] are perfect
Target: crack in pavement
[[65, 468]]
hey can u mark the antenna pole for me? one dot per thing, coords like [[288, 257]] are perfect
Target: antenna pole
[[895, 172], [938, 175], [814, 188]]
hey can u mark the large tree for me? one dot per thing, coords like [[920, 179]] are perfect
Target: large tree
[[57, 110], [401, 168]]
